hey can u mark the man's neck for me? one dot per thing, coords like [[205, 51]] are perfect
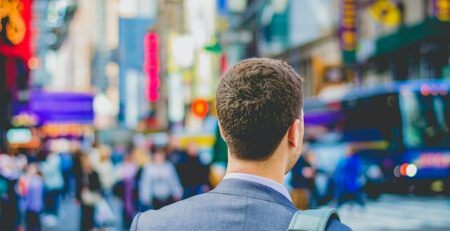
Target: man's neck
[[269, 169]]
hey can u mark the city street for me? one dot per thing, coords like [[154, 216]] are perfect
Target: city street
[[70, 216], [156, 100], [389, 213], [392, 212]]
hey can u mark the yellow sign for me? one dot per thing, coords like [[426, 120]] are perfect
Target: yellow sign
[[442, 10], [385, 12], [203, 141], [15, 26]]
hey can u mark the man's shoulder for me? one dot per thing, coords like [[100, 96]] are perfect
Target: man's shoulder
[[214, 211], [211, 211], [335, 225], [168, 214], [161, 220]]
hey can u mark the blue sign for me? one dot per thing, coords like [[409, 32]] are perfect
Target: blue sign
[[62, 107]]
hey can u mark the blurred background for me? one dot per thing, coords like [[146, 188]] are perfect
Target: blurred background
[[100, 97]]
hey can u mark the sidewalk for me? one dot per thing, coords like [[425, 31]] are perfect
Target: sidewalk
[[69, 216]]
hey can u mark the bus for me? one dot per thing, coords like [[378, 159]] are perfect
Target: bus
[[400, 130]]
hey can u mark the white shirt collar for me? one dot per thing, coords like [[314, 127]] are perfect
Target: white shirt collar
[[261, 180]]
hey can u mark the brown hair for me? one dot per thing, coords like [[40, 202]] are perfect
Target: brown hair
[[257, 101]]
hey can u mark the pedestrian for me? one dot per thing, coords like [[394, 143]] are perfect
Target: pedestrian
[[141, 157], [118, 153], [174, 151], [259, 106], [33, 198], [77, 171], [88, 194], [105, 169], [128, 190], [54, 183], [303, 183], [12, 164], [348, 179], [66, 167], [193, 173], [159, 184]]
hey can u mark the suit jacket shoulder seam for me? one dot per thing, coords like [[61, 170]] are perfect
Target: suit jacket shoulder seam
[[255, 199], [245, 218]]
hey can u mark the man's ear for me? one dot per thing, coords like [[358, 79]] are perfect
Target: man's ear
[[295, 134]]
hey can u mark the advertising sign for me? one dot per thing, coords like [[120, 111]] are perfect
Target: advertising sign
[[441, 10], [430, 164], [62, 107], [15, 34], [347, 29], [151, 65], [385, 12]]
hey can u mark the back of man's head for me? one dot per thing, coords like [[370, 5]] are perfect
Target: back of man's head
[[257, 101]]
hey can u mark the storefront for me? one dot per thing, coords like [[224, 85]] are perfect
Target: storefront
[[413, 52]]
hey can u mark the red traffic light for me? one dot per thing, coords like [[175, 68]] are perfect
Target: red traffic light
[[200, 108]]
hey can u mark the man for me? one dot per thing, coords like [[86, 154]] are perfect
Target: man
[[193, 173], [259, 106]]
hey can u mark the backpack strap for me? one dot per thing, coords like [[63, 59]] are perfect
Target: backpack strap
[[312, 220]]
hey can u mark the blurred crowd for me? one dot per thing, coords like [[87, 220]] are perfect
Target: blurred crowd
[[312, 186], [142, 175], [33, 183]]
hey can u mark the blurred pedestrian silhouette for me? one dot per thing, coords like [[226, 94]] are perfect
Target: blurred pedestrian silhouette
[[159, 184], [54, 183], [33, 195], [193, 173], [11, 165], [303, 182], [348, 179], [88, 193], [128, 190]]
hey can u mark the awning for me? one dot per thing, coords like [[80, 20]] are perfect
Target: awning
[[408, 35]]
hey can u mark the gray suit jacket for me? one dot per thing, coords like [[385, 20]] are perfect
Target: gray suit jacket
[[233, 205]]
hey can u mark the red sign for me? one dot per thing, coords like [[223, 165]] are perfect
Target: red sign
[[200, 108], [15, 33], [151, 65], [223, 63]]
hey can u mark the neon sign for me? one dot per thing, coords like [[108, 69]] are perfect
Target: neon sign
[[433, 160], [14, 27], [200, 108], [347, 25], [151, 65], [15, 33]]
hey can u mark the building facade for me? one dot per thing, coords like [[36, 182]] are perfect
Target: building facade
[[390, 40]]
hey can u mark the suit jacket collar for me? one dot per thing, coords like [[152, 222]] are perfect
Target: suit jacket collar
[[252, 189]]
